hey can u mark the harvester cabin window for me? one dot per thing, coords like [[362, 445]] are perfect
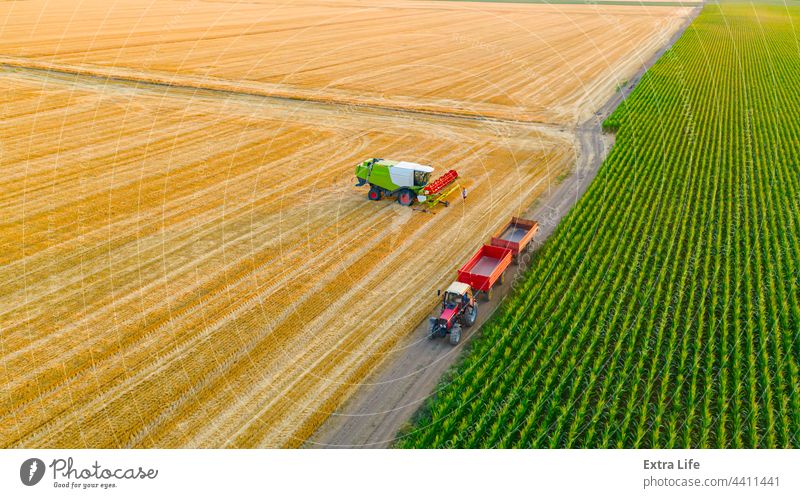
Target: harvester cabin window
[[421, 178]]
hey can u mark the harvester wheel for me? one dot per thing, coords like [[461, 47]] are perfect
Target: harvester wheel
[[374, 194], [455, 334], [405, 197], [471, 315]]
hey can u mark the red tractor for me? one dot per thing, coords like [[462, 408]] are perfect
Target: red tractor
[[459, 309]]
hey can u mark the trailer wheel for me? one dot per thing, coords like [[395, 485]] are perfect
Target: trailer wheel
[[502, 278], [405, 197], [455, 334], [471, 315], [488, 294], [374, 194]]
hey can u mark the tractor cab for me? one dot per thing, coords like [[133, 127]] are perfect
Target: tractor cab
[[458, 294]]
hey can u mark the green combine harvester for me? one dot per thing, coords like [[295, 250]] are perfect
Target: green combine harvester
[[405, 180]]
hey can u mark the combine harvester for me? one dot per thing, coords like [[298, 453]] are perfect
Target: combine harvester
[[484, 269], [405, 180]]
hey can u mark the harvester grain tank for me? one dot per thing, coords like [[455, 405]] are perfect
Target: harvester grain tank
[[406, 181]]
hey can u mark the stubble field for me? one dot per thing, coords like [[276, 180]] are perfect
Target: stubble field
[[191, 267], [545, 63]]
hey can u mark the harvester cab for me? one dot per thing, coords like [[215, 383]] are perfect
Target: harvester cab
[[459, 309], [406, 180]]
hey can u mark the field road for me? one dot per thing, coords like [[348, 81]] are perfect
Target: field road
[[395, 391]]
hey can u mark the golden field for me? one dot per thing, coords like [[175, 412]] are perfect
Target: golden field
[[192, 266], [536, 62]]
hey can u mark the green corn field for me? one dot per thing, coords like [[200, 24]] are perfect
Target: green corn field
[[665, 310]]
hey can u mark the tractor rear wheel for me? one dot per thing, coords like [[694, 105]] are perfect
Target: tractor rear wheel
[[374, 194], [455, 334], [471, 315], [405, 197]]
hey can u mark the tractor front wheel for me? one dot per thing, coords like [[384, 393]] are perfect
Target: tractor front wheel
[[405, 197], [455, 334], [374, 194]]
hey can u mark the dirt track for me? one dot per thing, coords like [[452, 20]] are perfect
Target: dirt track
[[388, 399]]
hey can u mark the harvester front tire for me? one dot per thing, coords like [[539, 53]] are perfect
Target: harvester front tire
[[455, 335], [374, 194], [405, 197]]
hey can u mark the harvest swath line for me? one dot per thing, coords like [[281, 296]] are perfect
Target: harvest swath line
[[221, 87], [682, 257]]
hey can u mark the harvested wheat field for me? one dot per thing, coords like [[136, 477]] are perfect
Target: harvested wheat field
[[547, 63], [185, 270], [191, 266]]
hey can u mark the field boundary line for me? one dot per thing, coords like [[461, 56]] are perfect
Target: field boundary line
[[246, 88]]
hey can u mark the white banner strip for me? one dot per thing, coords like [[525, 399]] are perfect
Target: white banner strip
[[382, 473]]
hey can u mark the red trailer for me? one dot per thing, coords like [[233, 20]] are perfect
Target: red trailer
[[516, 235], [485, 268]]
